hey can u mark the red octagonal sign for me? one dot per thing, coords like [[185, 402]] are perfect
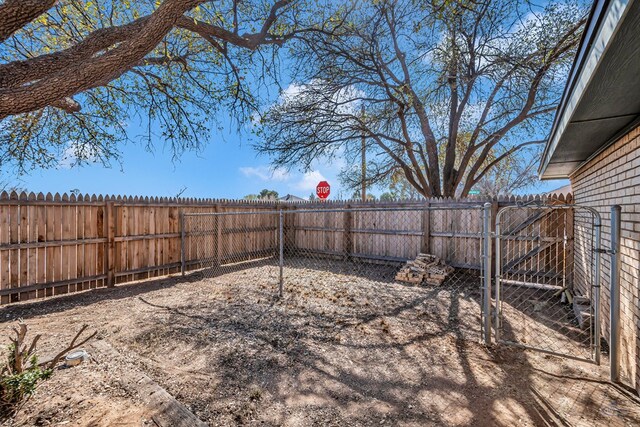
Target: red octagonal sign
[[323, 189]]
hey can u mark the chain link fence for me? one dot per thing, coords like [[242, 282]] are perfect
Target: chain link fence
[[547, 258], [548, 280], [439, 248]]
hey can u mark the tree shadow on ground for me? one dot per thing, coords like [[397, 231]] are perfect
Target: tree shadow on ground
[[295, 358], [356, 351], [65, 302]]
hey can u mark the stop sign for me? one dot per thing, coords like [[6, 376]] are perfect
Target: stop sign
[[323, 189]]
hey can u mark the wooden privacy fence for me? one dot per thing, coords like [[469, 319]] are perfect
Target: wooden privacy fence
[[391, 234], [386, 233], [52, 244]]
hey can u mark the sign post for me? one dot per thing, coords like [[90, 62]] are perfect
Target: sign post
[[323, 189]]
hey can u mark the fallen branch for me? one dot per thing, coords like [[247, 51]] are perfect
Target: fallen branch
[[53, 362]]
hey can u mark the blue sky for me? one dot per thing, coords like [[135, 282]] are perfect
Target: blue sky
[[228, 167]]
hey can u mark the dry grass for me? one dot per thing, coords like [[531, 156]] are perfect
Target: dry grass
[[337, 350]]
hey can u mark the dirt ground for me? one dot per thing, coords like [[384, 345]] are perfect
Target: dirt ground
[[337, 350]]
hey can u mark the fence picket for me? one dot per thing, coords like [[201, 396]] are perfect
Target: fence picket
[[56, 244], [5, 281]]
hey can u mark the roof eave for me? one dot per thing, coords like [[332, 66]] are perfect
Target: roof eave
[[601, 26]]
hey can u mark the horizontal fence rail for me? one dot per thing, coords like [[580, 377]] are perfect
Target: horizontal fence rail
[[58, 244]]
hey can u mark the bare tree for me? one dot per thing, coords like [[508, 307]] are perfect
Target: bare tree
[[11, 184], [74, 73], [450, 89], [510, 176]]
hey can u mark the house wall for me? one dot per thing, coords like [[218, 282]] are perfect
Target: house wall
[[613, 177]]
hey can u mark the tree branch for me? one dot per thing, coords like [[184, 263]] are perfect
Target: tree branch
[[17, 73], [247, 40], [68, 104], [94, 71], [15, 14], [427, 132], [471, 180], [72, 345]]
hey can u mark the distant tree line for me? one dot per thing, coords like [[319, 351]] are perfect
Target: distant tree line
[[265, 194]]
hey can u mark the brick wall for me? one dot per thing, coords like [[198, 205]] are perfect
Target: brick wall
[[613, 177]]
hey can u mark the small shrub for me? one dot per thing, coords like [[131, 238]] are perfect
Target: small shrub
[[17, 387], [21, 371]]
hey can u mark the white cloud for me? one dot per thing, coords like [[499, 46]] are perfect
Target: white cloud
[[265, 173], [309, 181], [298, 181], [290, 92], [75, 154], [527, 21], [345, 100]]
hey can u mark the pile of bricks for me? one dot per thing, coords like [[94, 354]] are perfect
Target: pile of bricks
[[425, 267]]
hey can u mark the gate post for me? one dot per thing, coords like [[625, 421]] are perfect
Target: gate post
[[597, 226], [486, 299], [614, 275], [496, 283]]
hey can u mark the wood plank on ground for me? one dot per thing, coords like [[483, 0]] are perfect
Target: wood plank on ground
[[165, 410]]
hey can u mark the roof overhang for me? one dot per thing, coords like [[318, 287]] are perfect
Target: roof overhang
[[602, 98]]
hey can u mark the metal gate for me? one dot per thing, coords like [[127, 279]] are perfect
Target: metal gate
[[547, 279]]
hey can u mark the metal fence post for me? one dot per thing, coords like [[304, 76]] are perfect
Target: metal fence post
[[614, 324], [496, 282], [281, 260], [182, 237], [486, 306], [597, 226], [347, 239]]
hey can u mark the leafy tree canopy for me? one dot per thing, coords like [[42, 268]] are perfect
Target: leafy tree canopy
[[75, 73], [265, 194]]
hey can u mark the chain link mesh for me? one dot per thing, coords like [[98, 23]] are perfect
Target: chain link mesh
[[547, 295], [349, 245]]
